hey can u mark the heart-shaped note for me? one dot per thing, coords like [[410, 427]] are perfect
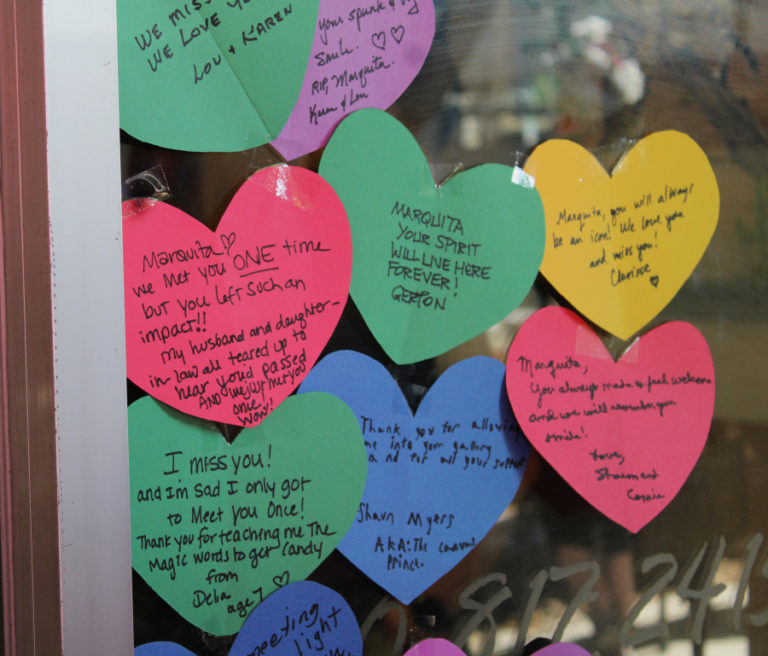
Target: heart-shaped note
[[211, 76], [463, 442], [625, 435], [365, 54], [620, 247], [217, 526], [433, 266], [300, 619], [161, 649], [225, 325], [435, 647], [562, 649]]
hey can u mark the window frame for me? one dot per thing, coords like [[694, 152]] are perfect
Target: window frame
[[64, 502]]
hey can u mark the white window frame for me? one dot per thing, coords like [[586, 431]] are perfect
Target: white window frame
[[90, 392]]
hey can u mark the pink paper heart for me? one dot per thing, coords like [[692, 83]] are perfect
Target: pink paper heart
[[435, 647], [625, 434], [224, 325], [562, 649], [363, 55]]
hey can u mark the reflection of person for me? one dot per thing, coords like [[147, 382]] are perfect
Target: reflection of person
[[581, 534]]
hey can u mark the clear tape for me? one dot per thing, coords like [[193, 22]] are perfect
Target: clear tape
[[150, 183]]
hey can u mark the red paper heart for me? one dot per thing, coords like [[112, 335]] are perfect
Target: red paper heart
[[627, 448], [224, 325]]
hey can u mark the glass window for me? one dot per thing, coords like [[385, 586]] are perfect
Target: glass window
[[501, 77]]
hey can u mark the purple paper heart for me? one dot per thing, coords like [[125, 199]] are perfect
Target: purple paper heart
[[363, 55]]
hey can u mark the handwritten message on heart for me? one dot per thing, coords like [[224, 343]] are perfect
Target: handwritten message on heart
[[620, 247], [365, 54], [463, 442], [435, 647], [216, 527], [301, 618], [625, 434], [433, 266], [211, 76], [225, 325]]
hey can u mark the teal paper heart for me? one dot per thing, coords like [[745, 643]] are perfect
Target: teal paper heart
[[216, 527], [433, 266], [211, 76]]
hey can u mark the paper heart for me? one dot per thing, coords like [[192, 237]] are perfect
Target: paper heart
[[206, 76], [161, 649], [213, 524], [224, 325], [291, 620], [433, 266], [364, 55], [562, 649], [620, 247], [625, 435], [301, 618], [435, 647], [463, 442], [354, 65]]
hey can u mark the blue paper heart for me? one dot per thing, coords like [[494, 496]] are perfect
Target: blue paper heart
[[300, 619], [436, 482]]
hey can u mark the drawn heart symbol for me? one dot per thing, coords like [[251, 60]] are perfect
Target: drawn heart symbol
[[625, 435], [216, 527], [463, 441], [283, 621], [435, 647], [224, 325], [281, 580], [608, 236], [206, 80], [414, 8], [350, 68], [433, 266]]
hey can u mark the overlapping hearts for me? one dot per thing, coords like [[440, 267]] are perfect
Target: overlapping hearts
[[300, 615], [235, 75]]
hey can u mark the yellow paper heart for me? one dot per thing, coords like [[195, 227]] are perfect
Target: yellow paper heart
[[620, 247]]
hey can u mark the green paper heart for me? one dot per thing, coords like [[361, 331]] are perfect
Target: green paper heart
[[209, 75], [433, 266], [216, 527]]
